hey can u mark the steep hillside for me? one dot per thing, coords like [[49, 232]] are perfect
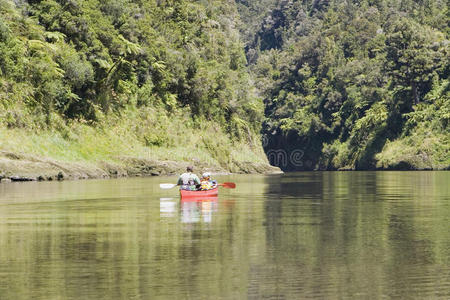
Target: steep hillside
[[121, 86], [355, 84], [95, 81]]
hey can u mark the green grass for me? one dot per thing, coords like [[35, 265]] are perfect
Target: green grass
[[421, 150], [149, 134]]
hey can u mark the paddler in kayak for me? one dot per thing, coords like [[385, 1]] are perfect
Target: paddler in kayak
[[188, 180], [206, 183]]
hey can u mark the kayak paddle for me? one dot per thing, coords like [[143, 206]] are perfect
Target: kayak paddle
[[166, 186], [228, 185]]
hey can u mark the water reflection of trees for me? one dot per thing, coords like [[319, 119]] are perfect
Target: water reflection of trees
[[323, 235], [325, 230]]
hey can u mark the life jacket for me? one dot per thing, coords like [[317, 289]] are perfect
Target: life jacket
[[205, 185]]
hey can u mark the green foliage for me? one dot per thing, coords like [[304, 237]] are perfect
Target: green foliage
[[342, 81], [101, 52], [425, 138], [348, 78], [100, 61]]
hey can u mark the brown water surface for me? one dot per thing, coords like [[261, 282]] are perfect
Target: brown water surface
[[326, 235]]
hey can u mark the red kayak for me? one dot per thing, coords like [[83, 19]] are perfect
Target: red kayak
[[191, 194]]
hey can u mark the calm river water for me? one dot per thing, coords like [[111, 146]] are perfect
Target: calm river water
[[326, 235]]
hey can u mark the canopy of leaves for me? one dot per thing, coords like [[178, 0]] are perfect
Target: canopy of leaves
[[80, 58], [341, 79]]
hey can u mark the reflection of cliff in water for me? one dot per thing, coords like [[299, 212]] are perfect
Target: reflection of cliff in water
[[314, 219], [287, 197], [308, 185]]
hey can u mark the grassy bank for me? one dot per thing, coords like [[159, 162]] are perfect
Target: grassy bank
[[417, 152], [425, 140], [138, 142]]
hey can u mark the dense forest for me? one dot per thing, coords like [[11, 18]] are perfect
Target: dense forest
[[334, 84], [164, 79], [353, 84]]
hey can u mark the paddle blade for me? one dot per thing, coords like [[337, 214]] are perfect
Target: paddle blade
[[167, 185], [228, 185]]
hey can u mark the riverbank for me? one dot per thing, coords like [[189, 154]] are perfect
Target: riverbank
[[22, 167], [127, 147], [418, 151]]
